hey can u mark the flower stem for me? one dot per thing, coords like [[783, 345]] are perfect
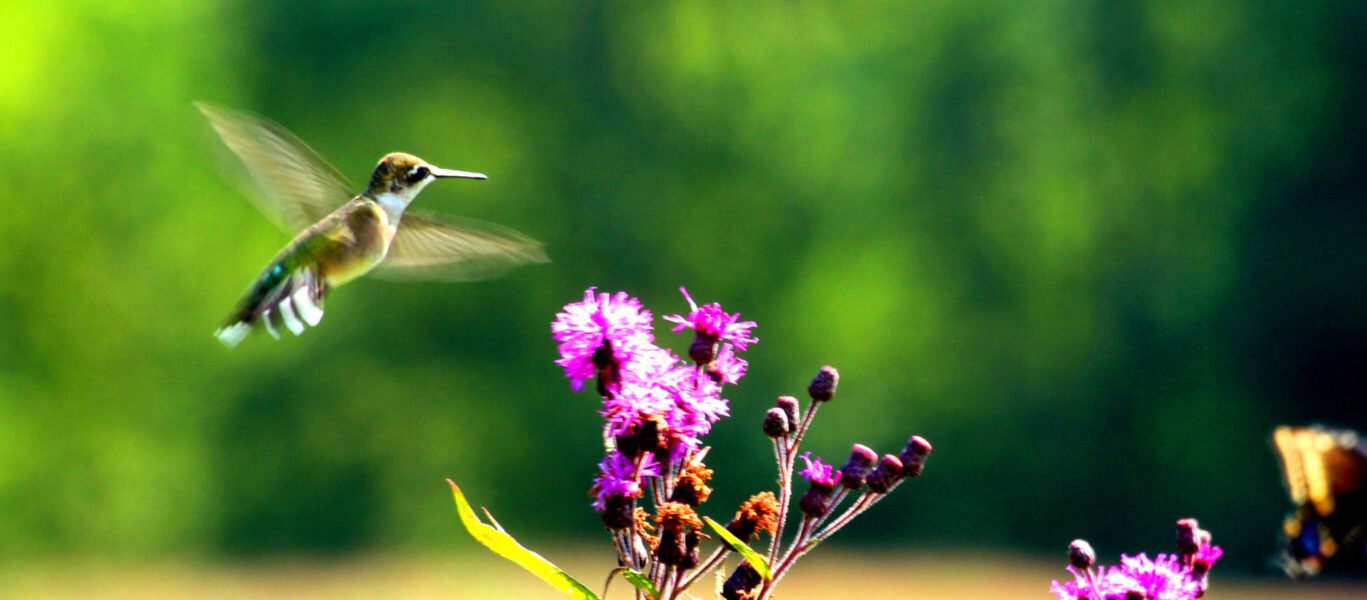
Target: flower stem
[[707, 565], [795, 550], [785, 484], [860, 505], [802, 430]]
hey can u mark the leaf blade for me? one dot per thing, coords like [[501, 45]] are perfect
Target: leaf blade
[[761, 566], [641, 582], [504, 545]]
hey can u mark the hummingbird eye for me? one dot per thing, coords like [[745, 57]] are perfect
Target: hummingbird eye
[[418, 174]]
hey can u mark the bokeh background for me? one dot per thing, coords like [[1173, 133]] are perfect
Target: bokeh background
[[1094, 251]]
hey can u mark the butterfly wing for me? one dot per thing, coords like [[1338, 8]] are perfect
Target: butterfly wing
[[450, 249], [1325, 472], [298, 187]]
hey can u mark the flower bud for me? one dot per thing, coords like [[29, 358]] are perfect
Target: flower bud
[[823, 385], [789, 406], [885, 474], [857, 468], [703, 350], [914, 456], [1136, 594], [617, 512], [742, 583], [776, 423], [1188, 533], [1080, 555], [816, 501]]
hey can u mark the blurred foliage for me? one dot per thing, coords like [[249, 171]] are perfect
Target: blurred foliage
[[1093, 250]]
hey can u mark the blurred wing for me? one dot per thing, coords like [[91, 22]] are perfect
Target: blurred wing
[[1293, 445], [299, 185], [1320, 465], [1325, 471], [447, 249]]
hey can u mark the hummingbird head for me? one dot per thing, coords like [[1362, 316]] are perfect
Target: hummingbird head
[[401, 176]]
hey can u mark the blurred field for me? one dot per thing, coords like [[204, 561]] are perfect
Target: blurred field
[[840, 574]]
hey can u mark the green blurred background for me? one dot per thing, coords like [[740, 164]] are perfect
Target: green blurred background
[[1094, 251]]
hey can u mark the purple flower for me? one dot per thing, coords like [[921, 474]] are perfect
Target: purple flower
[[727, 368], [819, 473], [603, 335], [1164, 578], [713, 324], [619, 476]]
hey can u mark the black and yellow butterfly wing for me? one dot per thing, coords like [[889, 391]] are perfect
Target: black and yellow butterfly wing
[[1325, 472]]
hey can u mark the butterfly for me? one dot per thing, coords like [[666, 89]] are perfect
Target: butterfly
[[1325, 471]]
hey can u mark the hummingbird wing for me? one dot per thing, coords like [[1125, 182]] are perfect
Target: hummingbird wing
[[298, 186], [451, 249]]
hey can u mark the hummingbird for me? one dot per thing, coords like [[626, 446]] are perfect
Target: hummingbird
[[341, 240]]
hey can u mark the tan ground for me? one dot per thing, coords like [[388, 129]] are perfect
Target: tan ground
[[832, 575]]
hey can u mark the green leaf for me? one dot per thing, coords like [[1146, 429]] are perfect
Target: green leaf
[[761, 566], [637, 579], [495, 538]]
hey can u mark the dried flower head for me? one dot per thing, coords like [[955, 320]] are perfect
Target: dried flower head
[[759, 513], [690, 486], [673, 518], [644, 527]]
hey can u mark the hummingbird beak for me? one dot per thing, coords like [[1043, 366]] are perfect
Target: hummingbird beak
[[441, 173]]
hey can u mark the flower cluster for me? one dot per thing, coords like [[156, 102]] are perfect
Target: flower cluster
[[657, 408], [1180, 576]]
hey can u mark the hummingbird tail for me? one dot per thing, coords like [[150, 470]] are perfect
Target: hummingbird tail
[[293, 300]]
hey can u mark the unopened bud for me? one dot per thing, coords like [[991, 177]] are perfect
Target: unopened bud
[[856, 469], [914, 456], [789, 406], [823, 385], [885, 474], [1188, 534], [742, 583], [1081, 555], [775, 423], [1136, 594], [703, 350]]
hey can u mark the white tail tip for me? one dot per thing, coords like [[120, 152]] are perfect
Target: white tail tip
[[232, 335]]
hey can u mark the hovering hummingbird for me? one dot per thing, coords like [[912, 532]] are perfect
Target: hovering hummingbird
[[342, 240]]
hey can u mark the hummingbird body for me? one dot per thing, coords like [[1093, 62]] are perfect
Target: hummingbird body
[[356, 237]]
